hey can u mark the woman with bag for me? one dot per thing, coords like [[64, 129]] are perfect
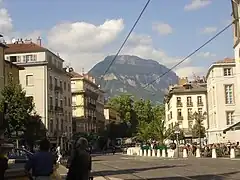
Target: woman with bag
[[80, 162]]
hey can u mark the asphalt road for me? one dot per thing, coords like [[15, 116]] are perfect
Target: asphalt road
[[131, 168]]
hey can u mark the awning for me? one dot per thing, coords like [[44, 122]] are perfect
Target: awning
[[232, 126]]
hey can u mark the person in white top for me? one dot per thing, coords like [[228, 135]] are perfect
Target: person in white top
[[59, 155]]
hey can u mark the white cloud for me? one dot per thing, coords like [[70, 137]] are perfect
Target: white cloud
[[141, 45], [162, 28], [206, 54], [83, 43], [196, 4], [190, 71], [5, 21], [209, 30]]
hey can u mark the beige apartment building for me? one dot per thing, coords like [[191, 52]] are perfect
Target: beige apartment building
[[45, 79], [87, 103], [111, 116], [222, 102], [182, 101]]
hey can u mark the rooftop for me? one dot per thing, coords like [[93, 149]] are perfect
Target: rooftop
[[24, 48], [225, 60]]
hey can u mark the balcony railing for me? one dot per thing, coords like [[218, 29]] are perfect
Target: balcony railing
[[58, 89], [179, 104], [51, 108], [180, 117], [58, 109], [200, 103], [189, 104]]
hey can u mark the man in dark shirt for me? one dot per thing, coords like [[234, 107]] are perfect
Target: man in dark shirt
[[42, 162]]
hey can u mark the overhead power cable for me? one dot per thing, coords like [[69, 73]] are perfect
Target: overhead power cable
[[124, 42], [188, 56]]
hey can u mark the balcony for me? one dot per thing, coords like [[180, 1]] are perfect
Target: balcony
[[200, 103], [179, 104], [189, 104], [91, 105], [51, 108], [58, 109], [179, 117], [58, 89]]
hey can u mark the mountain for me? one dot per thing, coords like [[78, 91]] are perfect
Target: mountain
[[129, 74]]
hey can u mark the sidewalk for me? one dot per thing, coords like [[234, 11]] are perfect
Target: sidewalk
[[63, 173]]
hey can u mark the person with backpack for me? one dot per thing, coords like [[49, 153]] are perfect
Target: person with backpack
[[79, 163]]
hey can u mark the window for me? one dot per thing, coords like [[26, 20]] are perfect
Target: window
[[51, 101], [229, 94], [200, 111], [229, 117], [18, 58], [199, 99], [51, 125], [56, 102], [61, 103], [69, 102], [61, 124], [31, 58], [29, 80], [170, 114], [13, 58], [189, 101], [57, 124], [178, 99], [69, 116], [55, 81], [189, 112], [60, 84], [50, 82], [227, 72], [64, 85], [179, 112], [65, 101], [69, 87]]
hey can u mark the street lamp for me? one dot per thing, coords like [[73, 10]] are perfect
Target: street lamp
[[177, 132]]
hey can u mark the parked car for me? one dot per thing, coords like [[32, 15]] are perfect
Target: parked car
[[20, 155]]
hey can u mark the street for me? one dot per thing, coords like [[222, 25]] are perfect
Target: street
[[127, 167]]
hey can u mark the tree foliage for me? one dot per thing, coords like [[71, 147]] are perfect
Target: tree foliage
[[198, 129], [19, 108]]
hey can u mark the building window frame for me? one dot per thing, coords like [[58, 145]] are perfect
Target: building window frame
[[229, 93], [227, 72], [28, 83], [229, 118]]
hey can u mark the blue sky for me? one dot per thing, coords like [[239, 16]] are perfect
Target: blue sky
[[168, 30]]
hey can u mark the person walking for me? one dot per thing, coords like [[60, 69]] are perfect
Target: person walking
[[41, 163], [59, 155], [79, 163]]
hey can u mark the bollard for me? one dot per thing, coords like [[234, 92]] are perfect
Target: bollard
[[185, 153], [158, 153], [214, 154], [164, 153], [149, 152], [140, 152], [198, 153], [144, 152], [153, 153], [128, 151], [232, 153]]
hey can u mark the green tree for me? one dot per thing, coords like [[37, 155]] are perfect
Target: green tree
[[143, 110], [158, 128], [34, 130], [123, 105], [19, 108], [144, 132], [198, 130]]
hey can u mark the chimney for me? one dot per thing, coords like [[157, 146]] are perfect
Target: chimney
[[39, 41]]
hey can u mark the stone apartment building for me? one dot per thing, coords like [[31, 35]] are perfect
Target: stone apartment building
[[182, 101], [87, 104], [49, 84]]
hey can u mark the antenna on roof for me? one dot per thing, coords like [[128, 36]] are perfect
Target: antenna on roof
[[14, 40]]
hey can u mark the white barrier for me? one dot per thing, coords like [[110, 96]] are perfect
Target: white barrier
[[214, 154], [185, 153], [198, 153], [232, 153], [153, 153], [144, 152], [149, 152], [158, 153], [164, 153], [140, 152]]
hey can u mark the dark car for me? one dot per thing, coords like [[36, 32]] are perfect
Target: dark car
[[20, 155]]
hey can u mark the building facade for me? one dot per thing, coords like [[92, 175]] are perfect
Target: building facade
[[182, 101], [11, 72], [222, 99], [2, 66], [87, 103], [45, 79], [111, 116]]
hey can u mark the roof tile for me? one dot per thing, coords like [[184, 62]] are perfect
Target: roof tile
[[24, 48]]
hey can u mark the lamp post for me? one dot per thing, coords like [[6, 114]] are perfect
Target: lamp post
[[177, 132]]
